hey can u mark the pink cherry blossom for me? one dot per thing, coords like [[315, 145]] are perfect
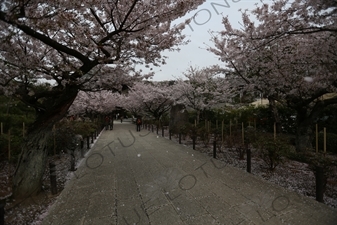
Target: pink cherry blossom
[[149, 99], [279, 48], [87, 45], [202, 89]]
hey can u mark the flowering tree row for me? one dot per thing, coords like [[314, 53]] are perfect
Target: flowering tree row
[[200, 89], [77, 45], [288, 52], [102, 102], [285, 50]]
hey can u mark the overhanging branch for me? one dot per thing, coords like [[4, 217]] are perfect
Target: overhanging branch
[[43, 38]]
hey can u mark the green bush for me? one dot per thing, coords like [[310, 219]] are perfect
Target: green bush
[[331, 142], [260, 116], [165, 120], [271, 151], [15, 146], [264, 118], [64, 134], [14, 123], [204, 135], [328, 119], [3, 147], [83, 128]]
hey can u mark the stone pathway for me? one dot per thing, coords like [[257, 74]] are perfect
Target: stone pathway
[[138, 178]]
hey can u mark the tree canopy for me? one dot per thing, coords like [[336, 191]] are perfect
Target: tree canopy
[[289, 55], [86, 45], [77, 45]]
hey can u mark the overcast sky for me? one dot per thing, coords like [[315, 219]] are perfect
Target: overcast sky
[[207, 18]]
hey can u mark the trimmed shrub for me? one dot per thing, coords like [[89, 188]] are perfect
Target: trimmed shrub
[[331, 142], [64, 134], [272, 152], [204, 135]]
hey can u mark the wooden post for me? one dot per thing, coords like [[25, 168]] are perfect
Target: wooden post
[[274, 131], [319, 184], [23, 129], [2, 129], [255, 123], [222, 127], [324, 140], [72, 159], [88, 145], [157, 127], [195, 123], [9, 144], [249, 160], [54, 138], [243, 134], [216, 124], [316, 138], [230, 132], [2, 211], [193, 141], [82, 146], [214, 149], [53, 183], [230, 128]]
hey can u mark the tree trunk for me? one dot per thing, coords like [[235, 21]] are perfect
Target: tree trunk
[[29, 172], [303, 132], [157, 122], [28, 176]]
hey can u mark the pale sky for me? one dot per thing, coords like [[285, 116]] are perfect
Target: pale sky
[[208, 18]]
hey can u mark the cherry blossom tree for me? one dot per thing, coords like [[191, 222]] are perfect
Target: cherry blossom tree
[[202, 89], [102, 102], [76, 45], [286, 17], [132, 102], [290, 56], [149, 98]]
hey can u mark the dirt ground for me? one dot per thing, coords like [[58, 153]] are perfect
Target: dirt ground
[[292, 175], [32, 209]]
